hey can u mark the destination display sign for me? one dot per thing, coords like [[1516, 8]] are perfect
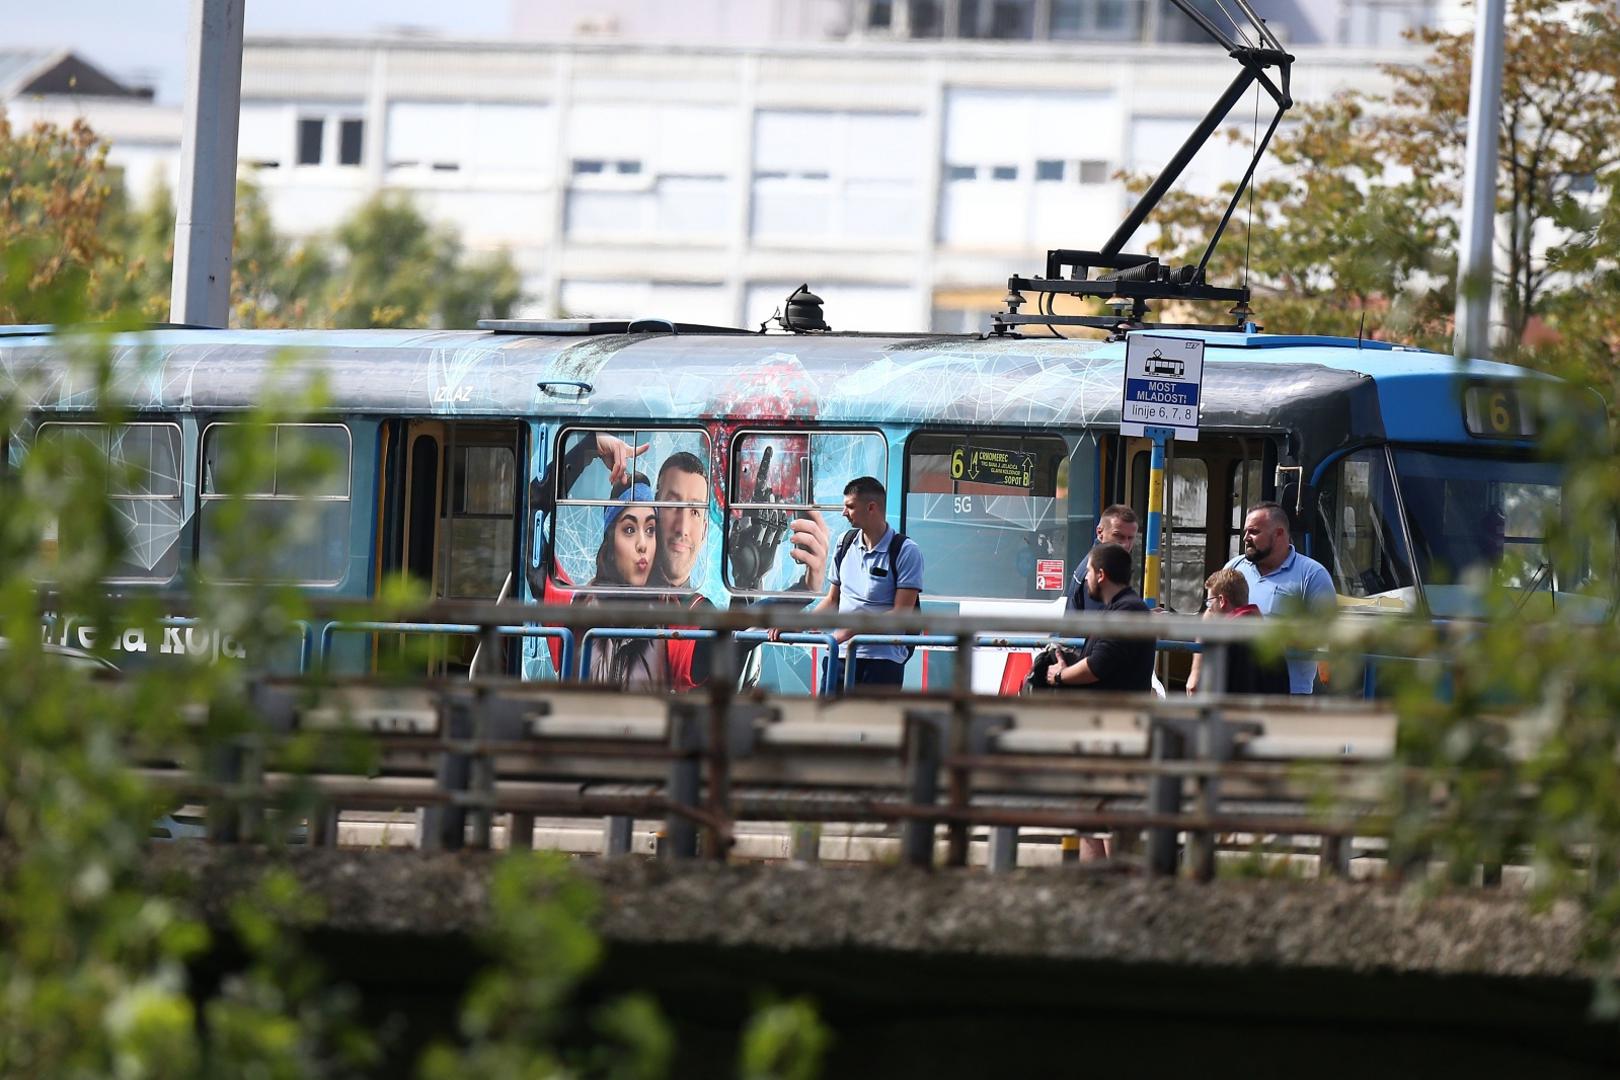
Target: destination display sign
[[1164, 379], [1494, 411], [986, 465]]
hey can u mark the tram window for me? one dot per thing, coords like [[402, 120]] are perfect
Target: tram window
[[479, 518], [1188, 514], [291, 479], [144, 488], [1366, 550], [990, 513], [777, 477], [1245, 493], [647, 538], [1475, 514]]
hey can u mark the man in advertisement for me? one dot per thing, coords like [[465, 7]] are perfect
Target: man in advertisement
[[681, 535]]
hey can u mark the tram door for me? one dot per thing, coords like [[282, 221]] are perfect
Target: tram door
[[456, 531], [1209, 484]]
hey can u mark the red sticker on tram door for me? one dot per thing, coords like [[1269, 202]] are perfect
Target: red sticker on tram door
[[1049, 575]]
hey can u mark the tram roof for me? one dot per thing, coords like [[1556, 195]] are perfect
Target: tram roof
[[1251, 381]]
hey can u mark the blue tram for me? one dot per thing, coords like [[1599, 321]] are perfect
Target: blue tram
[[591, 459]]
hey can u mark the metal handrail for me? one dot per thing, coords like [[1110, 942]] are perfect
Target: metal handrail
[[501, 597], [368, 626], [747, 637], [992, 641]]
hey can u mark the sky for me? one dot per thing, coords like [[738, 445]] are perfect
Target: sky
[[144, 41]]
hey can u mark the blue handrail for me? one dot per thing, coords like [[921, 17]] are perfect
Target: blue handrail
[[994, 641], [629, 633], [372, 627]]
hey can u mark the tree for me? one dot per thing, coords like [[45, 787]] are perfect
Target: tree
[[142, 241], [55, 198], [1332, 241], [1365, 219], [398, 270], [275, 282]]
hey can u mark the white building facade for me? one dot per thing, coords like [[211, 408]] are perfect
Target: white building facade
[[903, 180]]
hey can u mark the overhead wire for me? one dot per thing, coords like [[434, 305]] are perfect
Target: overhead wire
[[1243, 34]]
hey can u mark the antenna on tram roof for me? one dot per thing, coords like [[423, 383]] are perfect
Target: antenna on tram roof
[[1126, 281]]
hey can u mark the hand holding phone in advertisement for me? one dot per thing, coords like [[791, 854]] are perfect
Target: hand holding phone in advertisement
[[811, 543]]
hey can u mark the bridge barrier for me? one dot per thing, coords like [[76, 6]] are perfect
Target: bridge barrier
[[466, 753], [705, 761]]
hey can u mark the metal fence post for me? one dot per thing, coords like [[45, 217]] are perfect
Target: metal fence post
[[617, 833], [444, 827], [956, 846], [686, 724], [224, 764], [805, 847], [323, 826], [924, 742], [520, 832], [1333, 857], [1003, 855], [1167, 743]]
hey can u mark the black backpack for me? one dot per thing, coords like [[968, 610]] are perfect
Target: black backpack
[[894, 568]]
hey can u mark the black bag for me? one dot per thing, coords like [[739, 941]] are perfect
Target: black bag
[[1053, 655]]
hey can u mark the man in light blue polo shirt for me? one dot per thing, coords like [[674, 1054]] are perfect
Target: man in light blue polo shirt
[[871, 572], [1281, 580]]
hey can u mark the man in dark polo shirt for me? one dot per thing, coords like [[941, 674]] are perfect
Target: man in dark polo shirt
[[1110, 663]]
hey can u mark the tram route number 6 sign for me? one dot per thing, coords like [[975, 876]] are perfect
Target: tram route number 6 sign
[[1164, 379]]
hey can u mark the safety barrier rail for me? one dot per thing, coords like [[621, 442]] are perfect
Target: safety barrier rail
[[1149, 771], [1160, 769]]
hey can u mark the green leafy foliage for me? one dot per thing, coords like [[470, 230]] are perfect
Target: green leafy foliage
[[1355, 217], [98, 976], [386, 265]]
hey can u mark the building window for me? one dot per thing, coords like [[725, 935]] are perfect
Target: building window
[[1076, 20], [1094, 172], [350, 138], [1003, 172], [880, 14], [961, 172], [588, 168], [291, 482], [927, 20], [1049, 170], [311, 134], [627, 168], [1012, 20]]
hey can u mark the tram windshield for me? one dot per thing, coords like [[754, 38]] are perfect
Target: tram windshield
[[1467, 516], [1474, 514]]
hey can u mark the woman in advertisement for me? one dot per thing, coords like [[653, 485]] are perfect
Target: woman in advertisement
[[625, 558]]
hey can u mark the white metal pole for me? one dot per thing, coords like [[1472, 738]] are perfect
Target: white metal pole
[[1475, 258], [205, 217]]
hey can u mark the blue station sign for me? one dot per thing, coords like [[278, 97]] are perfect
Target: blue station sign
[[1163, 380]]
